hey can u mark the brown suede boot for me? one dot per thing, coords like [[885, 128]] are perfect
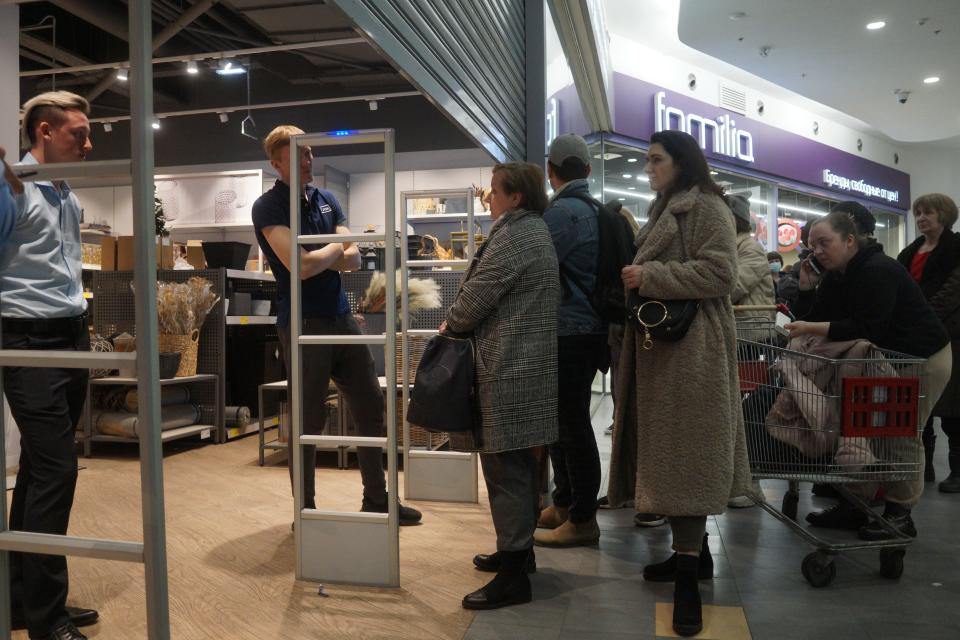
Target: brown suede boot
[[552, 517], [569, 534]]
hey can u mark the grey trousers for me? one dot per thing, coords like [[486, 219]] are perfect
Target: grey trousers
[[688, 532], [351, 368], [513, 484]]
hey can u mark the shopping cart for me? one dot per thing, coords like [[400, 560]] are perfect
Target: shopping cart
[[848, 422]]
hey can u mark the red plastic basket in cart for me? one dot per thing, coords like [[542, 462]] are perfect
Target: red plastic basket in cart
[[880, 407]]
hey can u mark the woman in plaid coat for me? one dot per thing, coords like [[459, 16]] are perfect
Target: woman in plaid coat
[[508, 301]]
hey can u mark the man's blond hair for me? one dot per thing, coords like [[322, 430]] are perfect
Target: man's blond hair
[[278, 139], [48, 107]]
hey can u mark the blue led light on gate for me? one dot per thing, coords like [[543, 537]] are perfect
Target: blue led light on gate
[[342, 132]]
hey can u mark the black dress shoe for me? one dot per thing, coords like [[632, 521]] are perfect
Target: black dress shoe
[[408, 515], [67, 631], [666, 571], [842, 515], [491, 562], [78, 616]]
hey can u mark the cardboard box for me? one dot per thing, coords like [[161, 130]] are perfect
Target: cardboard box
[[195, 254], [117, 254], [108, 253]]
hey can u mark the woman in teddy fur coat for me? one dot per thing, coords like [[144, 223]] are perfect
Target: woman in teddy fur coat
[[679, 408]]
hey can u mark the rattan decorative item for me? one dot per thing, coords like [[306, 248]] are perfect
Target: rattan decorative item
[[187, 345]]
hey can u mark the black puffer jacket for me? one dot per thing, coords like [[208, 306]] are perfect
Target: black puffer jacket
[[940, 281], [877, 300]]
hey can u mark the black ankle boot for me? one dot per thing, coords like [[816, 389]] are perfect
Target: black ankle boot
[[510, 586], [687, 609], [491, 562], [666, 571]]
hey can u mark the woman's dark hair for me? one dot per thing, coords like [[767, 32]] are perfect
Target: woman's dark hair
[[687, 155], [862, 217], [527, 180], [845, 224]]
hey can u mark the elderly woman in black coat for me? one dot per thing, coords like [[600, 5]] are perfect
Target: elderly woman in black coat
[[933, 260]]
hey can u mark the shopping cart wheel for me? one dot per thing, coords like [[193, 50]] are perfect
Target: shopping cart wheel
[[818, 569], [891, 563], [789, 506]]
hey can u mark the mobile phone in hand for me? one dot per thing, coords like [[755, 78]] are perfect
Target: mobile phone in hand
[[815, 265]]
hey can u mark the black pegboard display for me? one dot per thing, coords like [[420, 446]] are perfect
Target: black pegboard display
[[115, 312], [355, 283]]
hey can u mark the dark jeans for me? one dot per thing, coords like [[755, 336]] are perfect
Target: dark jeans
[[46, 405], [951, 427], [513, 479], [576, 461], [351, 368]]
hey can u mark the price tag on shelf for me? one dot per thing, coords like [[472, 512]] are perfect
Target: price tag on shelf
[[244, 320], [205, 434]]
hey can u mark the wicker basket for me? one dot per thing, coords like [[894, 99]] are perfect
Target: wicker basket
[[187, 346]]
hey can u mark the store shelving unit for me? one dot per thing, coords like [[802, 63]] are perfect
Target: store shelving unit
[[446, 476], [342, 547], [206, 428]]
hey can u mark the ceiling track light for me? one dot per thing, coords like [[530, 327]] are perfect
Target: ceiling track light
[[107, 127], [874, 26], [224, 116], [155, 124], [192, 67], [122, 75]]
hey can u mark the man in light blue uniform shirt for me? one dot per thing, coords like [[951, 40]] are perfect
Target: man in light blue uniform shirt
[[42, 307]]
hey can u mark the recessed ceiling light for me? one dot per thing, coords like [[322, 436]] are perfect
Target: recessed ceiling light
[[879, 24], [155, 124], [931, 80], [622, 199], [122, 75], [631, 188], [628, 175], [192, 68], [631, 159]]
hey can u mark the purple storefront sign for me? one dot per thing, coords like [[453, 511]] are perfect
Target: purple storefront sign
[[639, 107]]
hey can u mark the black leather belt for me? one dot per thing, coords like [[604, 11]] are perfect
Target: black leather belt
[[45, 326]]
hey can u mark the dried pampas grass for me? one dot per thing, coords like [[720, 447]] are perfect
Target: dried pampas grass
[[423, 294]]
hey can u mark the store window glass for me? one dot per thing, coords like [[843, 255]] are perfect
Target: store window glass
[[623, 177], [761, 196], [891, 228]]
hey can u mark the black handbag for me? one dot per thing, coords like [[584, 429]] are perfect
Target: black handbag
[[443, 397], [663, 319]]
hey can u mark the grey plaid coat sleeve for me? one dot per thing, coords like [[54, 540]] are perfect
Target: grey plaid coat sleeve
[[508, 300]]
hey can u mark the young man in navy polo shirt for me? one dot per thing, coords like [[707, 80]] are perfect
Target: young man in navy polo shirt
[[325, 311]]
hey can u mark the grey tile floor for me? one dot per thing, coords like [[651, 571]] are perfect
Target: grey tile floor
[[597, 593]]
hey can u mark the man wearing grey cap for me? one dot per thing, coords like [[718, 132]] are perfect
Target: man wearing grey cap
[[581, 346]]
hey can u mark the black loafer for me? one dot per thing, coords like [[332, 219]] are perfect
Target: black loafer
[[408, 515], [78, 616], [842, 515], [491, 562], [67, 631], [903, 523]]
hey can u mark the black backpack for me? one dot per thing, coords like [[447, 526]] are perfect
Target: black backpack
[[615, 251]]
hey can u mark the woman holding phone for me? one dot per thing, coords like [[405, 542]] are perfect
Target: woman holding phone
[[864, 294]]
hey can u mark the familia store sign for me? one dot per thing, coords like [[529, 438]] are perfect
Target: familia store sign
[[640, 109]]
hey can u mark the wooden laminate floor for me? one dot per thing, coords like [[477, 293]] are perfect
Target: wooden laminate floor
[[231, 553]]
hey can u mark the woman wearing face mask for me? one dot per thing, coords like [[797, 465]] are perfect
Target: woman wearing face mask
[[864, 294], [932, 259], [679, 402]]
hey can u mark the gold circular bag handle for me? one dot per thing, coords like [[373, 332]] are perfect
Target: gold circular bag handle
[[647, 338], [650, 325]]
